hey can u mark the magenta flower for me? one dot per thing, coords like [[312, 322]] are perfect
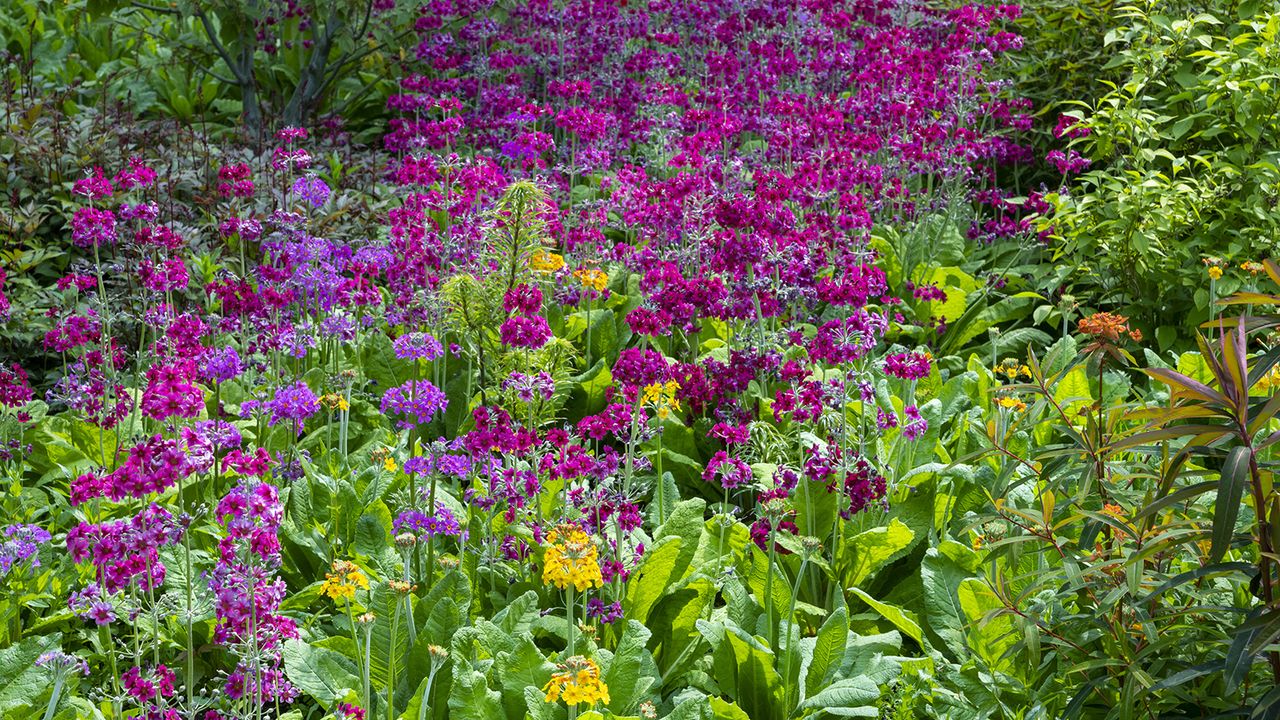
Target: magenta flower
[[525, 332]]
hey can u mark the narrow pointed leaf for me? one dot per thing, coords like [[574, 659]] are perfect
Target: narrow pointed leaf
[[1235, 474]]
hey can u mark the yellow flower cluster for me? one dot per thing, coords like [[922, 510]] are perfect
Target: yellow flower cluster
[[593, 278], [334, 401], [571, 558], [1267, 383], [578, 681], [1253, 267], [661, 397], [1011, 403], [1214, 266], [1012, 369], [546, 262], [344, 580]]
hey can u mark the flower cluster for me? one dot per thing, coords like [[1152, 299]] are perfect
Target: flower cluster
[[571, 558], [577, 681], [342, 582], [20, 544]]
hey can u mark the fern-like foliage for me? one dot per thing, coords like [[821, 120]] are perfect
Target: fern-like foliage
[[517, 229]]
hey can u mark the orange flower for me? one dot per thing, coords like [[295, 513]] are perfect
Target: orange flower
[[1108, 326]]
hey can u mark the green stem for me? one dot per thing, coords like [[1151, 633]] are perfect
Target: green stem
[[568, 610], [768, 594], [54, 698]]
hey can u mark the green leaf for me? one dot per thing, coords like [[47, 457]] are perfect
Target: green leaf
[[990, 633], [374, 530], [470, 697], [519, 614], [875, 548], [325, 675], [1230, 490], [538, 707], [850, 697], [723, 710], [827, 649], [674, 621], [904, 620], [745, 670], [632, 671], [686, 522], [21, 682], [942, 574], [657, 572], [520, 670]]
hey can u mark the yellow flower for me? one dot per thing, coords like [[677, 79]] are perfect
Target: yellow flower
[[1011, 403], [592, 278], [1267, 382], [1253, 267], [1011, 369], [661, 397], [577, 681], [571, 558], [389, 465], [334, 401], [1215, 272], [344, 580], [546, 262]]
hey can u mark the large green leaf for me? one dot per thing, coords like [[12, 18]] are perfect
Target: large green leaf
[[325, 675], [745, 670], [632, 670], [849, 697], [470, 697], [873, 549], [674, 622], [657, 572], [520, 669], [21, 682], [687, 522], [990, 633], [828, 646], [904, 620]]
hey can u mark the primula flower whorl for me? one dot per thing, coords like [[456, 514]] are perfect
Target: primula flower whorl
[[577, 681], [344, 580], [571, 558]]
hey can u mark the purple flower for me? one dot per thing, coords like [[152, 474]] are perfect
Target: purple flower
[[312, 189], [418, 346], [908, 366], [417, 401], [294, 402], [221, 365], [606, 614], [62, 663], [20, 544], [419, 523], [91, 226], [94, 187]]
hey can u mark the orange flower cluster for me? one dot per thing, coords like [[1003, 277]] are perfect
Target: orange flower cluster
[[1109, 326]]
